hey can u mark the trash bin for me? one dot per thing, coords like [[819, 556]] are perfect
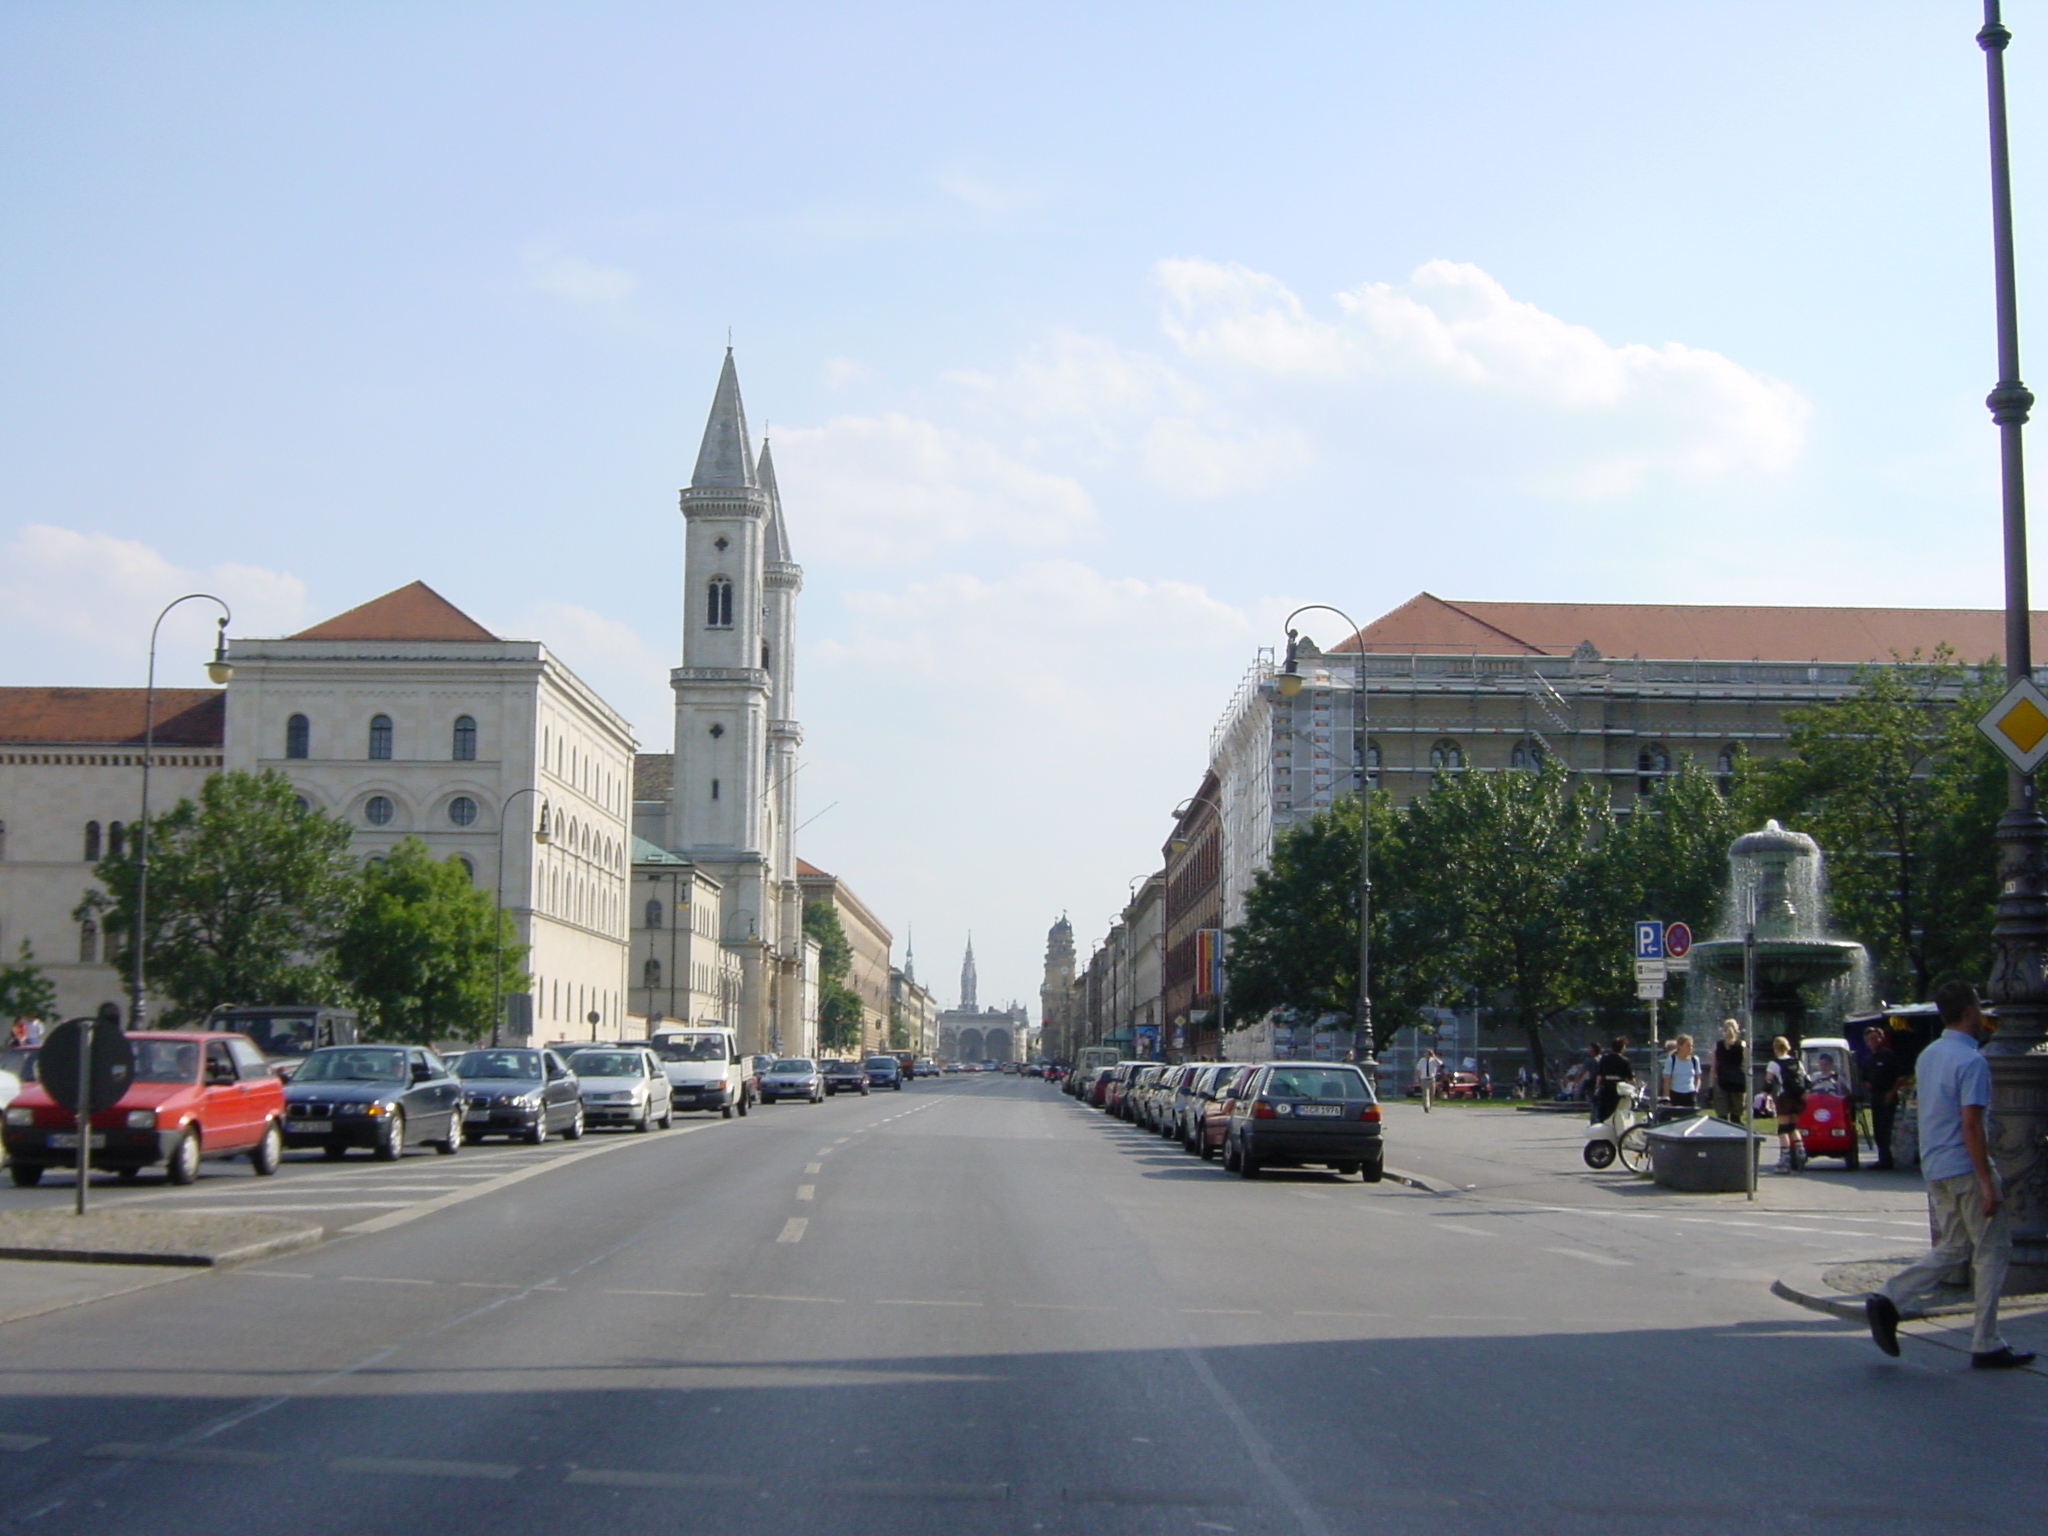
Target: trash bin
[[1702, 1155]]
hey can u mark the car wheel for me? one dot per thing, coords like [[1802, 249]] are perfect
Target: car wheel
[[644, 1123], [334, 1151], [182, 1167], [743, 1104], [25, 1175], [537, 1133], [1374, 1171], [863, 1093], [1229, 1155], [1204, 1151], [451, 1144], [391, 1138], [573, 1131], [1247, 1165], [668, 1116], [268, 1152], [725, 1110]]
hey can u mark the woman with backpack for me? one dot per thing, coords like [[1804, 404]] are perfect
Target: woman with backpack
[[1787, 1080]]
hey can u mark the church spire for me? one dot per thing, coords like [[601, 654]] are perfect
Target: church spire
[[967, 999], [726, 460], [778, 536]]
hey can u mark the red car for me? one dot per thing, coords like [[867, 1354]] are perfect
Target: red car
[[1217, 1107], [193, 1096]]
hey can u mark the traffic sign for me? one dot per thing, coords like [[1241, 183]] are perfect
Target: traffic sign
[[1649, 941], [1677, 948], [2018, 725], [1652, 970], [1649, 989], [109, 1064]]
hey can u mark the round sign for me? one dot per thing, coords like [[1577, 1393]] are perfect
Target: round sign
[[1677, 940], [110, 1063]]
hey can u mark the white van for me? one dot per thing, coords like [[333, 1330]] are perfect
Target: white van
[[705, 1069]]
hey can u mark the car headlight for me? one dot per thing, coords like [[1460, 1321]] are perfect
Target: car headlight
[[141, 1119], [20, 1114], [524, 1101]]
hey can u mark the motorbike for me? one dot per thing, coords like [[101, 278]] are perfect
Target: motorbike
[[1620, 1135]]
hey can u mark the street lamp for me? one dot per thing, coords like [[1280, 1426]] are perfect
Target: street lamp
[[1289, 683], [219, 671], [542, 837]]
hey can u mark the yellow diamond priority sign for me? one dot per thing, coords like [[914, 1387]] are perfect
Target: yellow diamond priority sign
[[2018, 725]]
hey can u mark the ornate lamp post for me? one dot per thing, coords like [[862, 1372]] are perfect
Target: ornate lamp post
[[219, 671], [2019, 1053], [542, 837], [1289, 683]]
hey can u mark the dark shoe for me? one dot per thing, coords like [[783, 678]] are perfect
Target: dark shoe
[[2007, 1359], [1884, 1322]]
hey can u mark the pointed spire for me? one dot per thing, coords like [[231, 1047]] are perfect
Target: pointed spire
[[726, 461], [968, 1001], [778, 536]]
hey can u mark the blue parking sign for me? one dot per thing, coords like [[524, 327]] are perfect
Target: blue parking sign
[[1649, 941]]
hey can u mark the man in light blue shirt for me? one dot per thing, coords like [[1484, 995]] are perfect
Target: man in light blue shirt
[[1965, 1202]]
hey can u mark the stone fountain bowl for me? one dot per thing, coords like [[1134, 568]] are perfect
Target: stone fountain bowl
[[1779, 962]]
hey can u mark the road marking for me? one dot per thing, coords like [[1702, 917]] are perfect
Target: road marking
[[793, 1230], [993, 1493], [241, 1208], [823, 1152], [1591, 1258], [382, 1280], [497, 1470], [836, 1301], [201, 1455], [895, 1302], [276, 1274], [814, 1167], [22, 1442], [807, 1191], [603, 1478], [1058, 1306], [654, 1293], [1452, 1226], [1471, 1317], [1220, 1311], [1343, 1314], [488, 1285]]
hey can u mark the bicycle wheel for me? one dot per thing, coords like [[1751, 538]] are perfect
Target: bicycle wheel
[[1635, 1150]]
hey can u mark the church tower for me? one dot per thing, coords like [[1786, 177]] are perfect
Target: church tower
[[967, 998], [1056, 993]]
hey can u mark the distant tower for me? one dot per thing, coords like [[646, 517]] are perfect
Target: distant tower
[[1056, 994], [967, 999]]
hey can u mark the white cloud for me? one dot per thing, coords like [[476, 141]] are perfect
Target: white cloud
[[1231, 314], [573, 278], [100, 594], [893, 488]]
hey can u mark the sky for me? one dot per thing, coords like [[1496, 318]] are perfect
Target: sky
[[1092, 339]]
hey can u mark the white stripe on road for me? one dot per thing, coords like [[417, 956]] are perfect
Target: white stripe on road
[[793, 1229], [1590, 1258], [496, 1470], [807, 1191]]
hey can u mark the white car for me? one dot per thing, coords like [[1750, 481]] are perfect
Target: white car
[[793, 1077], [622, 1085]]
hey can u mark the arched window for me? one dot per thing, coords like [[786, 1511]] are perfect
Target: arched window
[[378, 811], [117, 839], [462, 811], [468, 869], [1446, 756], [1372, 761], [88, 942], [465, 739], [718, 603], [650, 974], [1652, 763], [654, 914], [298, 737], [380, 738], [1527, 755], [92, 842]]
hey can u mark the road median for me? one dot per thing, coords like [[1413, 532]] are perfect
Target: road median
[[173, 1239]]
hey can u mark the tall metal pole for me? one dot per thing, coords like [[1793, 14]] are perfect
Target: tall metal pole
[[2018, 1054], [498, 907], [138, 939]]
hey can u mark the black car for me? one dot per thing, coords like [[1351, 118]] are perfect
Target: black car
[[845, 1077], [885, 1072], [1301, 1112], [525, 1094], [384, 1097]]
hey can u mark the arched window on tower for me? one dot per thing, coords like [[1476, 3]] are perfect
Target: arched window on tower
[[88, 942], [718, 603], [650, 975], [1652, 763], [654, 914], [1724, 767], [1446, 756], [465, 739], [298, 737], [380, 738], [1527, 755], [92, 842], [117, 839]]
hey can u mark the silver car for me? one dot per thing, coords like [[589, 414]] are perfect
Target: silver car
[[623, 1085], [793, 1077]]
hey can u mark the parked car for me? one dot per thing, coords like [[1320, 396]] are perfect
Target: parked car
[[793, 1077], [1189, 1095], [191, 1096], [1295, 1113], [623, 1085], [845, 1077], [384, 1097], [1229, 1087], [926, 1067], [885, 1072], [705, 1069], [521, 1093]]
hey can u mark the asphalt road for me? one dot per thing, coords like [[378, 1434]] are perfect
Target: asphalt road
[[976, 1306]]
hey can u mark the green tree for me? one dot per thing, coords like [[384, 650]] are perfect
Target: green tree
[[420, 949], [247, 890], [25, 992], [839, 1014]]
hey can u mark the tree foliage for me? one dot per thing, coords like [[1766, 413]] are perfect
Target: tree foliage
[[25, 992], [421, 949], [247, 891], [839, 1012]]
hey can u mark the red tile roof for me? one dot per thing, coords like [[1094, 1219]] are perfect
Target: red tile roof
[[415, 612], [1430, 625], [185, 717], [806, 867]]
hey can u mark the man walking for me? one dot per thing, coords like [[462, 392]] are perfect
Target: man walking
[[1964, 1199], [1427, 1067], [1881, 1078]]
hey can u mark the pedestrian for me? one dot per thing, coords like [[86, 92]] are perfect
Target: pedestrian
[[1882, 1078], [1683, 1074], [1965, 1200], [1426, 1068], [1610, 1072], [1785, 1079], [1591, 1082], [1731, 1072], [35, 1032]]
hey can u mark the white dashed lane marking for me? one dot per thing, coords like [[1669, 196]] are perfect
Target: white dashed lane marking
[[793, 1230], [1590, 1258], [807, 1191]]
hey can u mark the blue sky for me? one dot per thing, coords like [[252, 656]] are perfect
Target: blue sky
[[1092, 339]]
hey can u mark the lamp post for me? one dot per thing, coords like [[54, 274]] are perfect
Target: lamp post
[[219, 671], [1289, 683], [1178, 844], [542, 837], [2018, 1054]]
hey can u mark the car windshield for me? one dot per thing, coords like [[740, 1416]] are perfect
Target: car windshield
[[793, 1064], [523, 1065], [166, 1061], [346, 1064], [609, 1063], [691, 1047], [884, 1063], [1317, 1083]]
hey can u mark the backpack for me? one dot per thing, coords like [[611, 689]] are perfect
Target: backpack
[[1791, 1077]]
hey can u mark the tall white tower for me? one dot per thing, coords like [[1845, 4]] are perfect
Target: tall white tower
[[968, 1001]]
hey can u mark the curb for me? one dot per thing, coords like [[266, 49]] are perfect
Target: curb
[[1423, 1182], [269, 1247], [1803, 1287]]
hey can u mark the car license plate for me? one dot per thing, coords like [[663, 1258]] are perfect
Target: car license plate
[[70, 1139], [309, 1127], [1320, 1109]]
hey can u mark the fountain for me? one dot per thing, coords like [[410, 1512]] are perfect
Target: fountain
[[1774, 887]]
